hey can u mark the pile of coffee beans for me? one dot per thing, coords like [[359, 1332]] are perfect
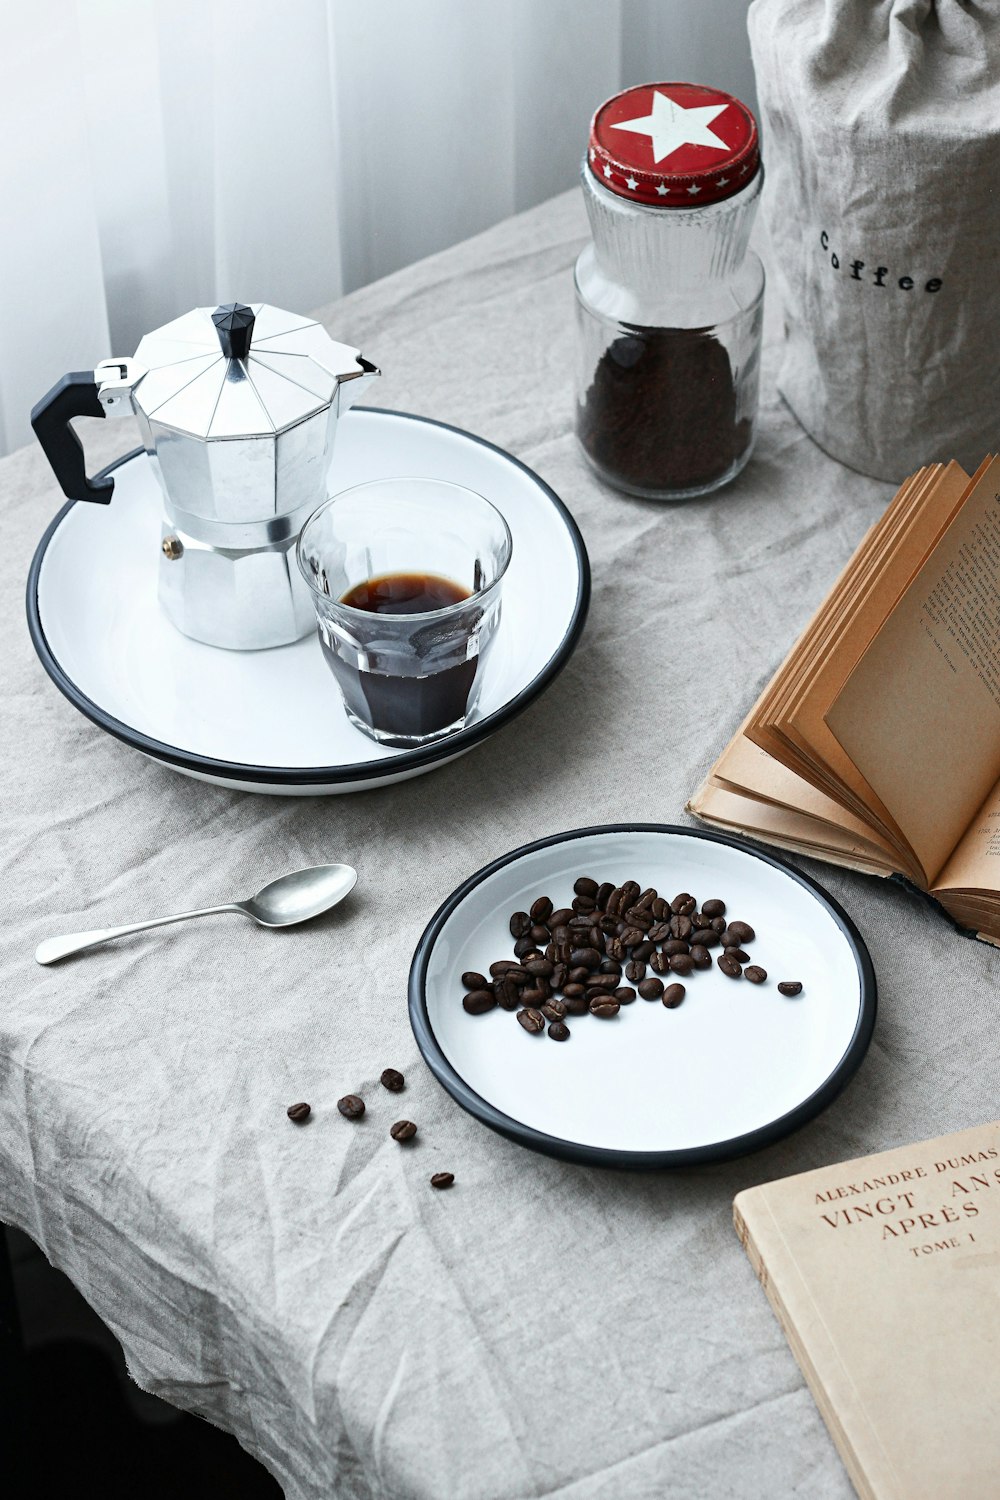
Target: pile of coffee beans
[[611, 943]]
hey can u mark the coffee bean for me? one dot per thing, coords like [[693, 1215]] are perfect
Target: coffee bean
[[706, 936], [651, 989], [584, 904], [539, 967], [403, 1130], [602, 893], [603, 981], [790, 987], [525, 947], [729, 965], [501, 967], [585, 958], [631, 936], [616, 949], [635, 970], [681, 963], [625, 995], [553, 1010], [740, 956], [535, 994], [520, 923], [608, 925], [660, 909], [540, 935], [676, 945], [643, 951], [559, 974], [478, 1002], [579, 976], [660, 963], [742, 932], [517, 974], [683, 905], [673, 995], [630, 890], [611, 966], [508, 993], [442, 1179], [680, 926], [560, 918], [614, 902], [540, 910], [755, 974], [392, 1080], [472, 980], [604, 1008], [638, 917], [299, 1113], [572, 991], [559, 1031], [577, 1005], [719, 923], [700, 956], [645, 901], [532, 1020], [713, 908], [351, 1107], [658, 932], [596, 939]]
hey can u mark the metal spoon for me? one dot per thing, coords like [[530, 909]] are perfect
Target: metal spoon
[[292, 898]]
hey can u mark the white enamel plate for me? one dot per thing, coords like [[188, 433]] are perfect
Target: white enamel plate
[[273, 721], [733, 1068]]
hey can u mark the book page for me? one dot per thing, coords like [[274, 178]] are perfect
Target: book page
[[975, 864], [920, 714]]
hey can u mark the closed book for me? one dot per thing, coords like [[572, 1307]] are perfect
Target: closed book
[[884, 1273]]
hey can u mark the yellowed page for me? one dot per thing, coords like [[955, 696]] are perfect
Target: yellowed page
[[975, 864], [787, 829], [920, 714]]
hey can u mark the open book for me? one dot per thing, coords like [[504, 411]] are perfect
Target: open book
[[876, 745]]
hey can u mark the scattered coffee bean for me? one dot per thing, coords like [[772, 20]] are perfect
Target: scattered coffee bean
[[478, 1002], [403, 1130], [541, 909], [577, 1006], [706, 937], [393, 1080], [553, 1010], [644, 951], [713, 908], [624, 996], [559, 1031], [535, 994], [520, 923], [719, 924], [742, 932], [532, 1020], [604, 1008], [676, 945], [729, 965], [660, 962], [525, 947], [700, 957], [740, 956], [351, 1107], [790, 987], [442, 1179], [673, 995], [681, 963], [299, 1113], [474, 981], [584, 886], [635, 970], [755, 973], [651, 989], [682, 903]]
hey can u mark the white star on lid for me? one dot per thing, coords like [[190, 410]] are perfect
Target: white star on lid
[[694, 188], [722, 182], [662, 190], [631, 183], [607, 170], [670, 126]]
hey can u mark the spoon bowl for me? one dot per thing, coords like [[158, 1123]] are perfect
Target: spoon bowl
[[300, 895]]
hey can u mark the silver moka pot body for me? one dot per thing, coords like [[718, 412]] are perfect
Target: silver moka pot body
[[238, 409]]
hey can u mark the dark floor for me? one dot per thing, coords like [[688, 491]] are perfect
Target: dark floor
[[90, 1429]]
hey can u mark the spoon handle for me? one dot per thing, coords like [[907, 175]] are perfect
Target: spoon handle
[[53, 949]]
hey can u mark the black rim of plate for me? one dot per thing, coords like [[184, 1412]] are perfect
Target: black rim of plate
[[395, 766], [605, 1156]]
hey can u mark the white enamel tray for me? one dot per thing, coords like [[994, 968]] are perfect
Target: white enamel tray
[[273, 721], [733, 1068]]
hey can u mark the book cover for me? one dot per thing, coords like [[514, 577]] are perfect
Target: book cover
[[884, 1273]]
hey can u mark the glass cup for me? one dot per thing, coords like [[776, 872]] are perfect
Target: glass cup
[[409, 666]]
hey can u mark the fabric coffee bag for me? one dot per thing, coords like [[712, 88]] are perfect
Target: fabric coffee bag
[[881, 133]]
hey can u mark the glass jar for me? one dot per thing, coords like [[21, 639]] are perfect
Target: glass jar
[[669, 296]]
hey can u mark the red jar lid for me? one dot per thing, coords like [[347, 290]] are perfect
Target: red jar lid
[[675, 145]]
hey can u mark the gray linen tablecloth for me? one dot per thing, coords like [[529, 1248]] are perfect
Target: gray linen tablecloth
[[542, 1329]]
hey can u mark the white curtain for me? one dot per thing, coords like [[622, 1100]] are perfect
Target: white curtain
[[162, 154]]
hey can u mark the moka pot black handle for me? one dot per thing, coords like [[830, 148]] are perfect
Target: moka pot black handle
[[76, 395]]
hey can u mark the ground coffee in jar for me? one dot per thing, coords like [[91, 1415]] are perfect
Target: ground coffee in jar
[[669, 297]]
